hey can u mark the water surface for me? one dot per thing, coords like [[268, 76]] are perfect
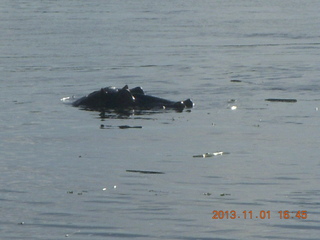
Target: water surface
[[63, 175]]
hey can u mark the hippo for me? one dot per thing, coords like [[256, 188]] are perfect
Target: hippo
[[125, 98]]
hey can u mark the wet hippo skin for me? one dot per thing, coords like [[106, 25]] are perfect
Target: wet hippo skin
[[125, 98]]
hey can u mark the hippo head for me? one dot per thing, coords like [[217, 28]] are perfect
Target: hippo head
[[107, 98]]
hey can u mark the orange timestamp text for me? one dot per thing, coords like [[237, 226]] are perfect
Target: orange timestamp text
[[262, 214]]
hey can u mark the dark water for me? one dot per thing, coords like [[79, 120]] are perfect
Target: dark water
[[62, 175]]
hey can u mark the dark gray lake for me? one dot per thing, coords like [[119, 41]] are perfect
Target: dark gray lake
[[64, 176]]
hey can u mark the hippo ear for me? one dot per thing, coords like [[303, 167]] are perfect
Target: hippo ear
[[103, 91], [125, 87], [188, 103], [125, 98]]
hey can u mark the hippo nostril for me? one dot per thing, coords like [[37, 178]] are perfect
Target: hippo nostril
[[188, 103]]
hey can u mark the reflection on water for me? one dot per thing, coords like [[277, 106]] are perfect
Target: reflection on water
[[129, 113]]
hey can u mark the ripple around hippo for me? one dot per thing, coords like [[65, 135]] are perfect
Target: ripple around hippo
[[125, 98]]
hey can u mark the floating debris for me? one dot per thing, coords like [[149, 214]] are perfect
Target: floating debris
[[105, 189], [207, 194], [224, 194], [232, 100], [206, 155], [127, 126], [79, 193], [144, 172], [281, 100], [235, 80], [102, 126]]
